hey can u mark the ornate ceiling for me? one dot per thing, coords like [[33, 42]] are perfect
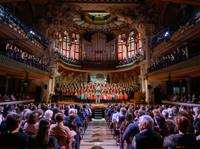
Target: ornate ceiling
[[50, 16], [99, 21]]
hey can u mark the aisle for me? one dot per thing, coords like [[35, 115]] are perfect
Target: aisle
[[98, 134]]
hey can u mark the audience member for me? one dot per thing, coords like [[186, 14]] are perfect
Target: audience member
[[147, 137], [12, 137]]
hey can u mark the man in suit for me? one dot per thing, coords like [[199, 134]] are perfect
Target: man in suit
[[147, 138]]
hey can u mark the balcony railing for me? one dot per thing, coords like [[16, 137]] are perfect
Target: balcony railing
[[175, 57], [168, 32], [133, 60], [21, 57], [85, 64], [16, 24], [67, 60]]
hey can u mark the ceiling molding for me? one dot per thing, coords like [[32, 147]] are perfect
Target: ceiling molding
[[11, 1], [102, 1]]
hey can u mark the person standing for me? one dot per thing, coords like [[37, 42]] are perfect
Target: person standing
[[98, 93]]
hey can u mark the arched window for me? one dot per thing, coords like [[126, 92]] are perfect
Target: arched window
[[66, 46], [131, 45], [60, 46], [57, 40], [122, 49], [75, 46], [59, 43], [140, 44]]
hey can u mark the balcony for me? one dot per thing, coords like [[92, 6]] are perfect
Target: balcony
[[187, 68], [184, 34], [18, 69], [12, 29], [86, 65]]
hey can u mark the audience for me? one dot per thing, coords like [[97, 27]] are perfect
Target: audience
[[182, 138], [174, 57], [155, 126], [13, 52], [186, 98], [42, 126], [133, 126]]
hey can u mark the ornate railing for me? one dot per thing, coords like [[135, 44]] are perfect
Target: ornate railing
[[4, 60], [17, 25]]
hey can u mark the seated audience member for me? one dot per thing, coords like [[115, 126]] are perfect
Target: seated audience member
[[31, 126], [48, 115], [42, 138], [73, 121], [160, 124], [12, 97], [12, 137], [196, 125], [128, 120], [6, 98], [1, 115], [130, 131], [116, 114], [147, 137], [61, 132], [182, 138]]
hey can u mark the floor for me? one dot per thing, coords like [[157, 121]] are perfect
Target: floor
[[98, 134]]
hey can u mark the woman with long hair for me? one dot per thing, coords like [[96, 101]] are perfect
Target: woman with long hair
[[42, 138]]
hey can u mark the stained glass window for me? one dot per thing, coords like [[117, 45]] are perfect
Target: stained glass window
[[66, 46], [75, 46], [131, 44], [129, 47], [140, 44], [122, 49]]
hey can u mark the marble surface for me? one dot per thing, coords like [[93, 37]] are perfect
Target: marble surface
[[98, 134]]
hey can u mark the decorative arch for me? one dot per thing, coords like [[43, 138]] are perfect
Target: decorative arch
[[68, 44], [129, 45]]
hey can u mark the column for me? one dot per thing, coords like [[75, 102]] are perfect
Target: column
[[146, 66], [146, 38]]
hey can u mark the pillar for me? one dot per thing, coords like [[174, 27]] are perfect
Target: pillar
[[146, 66], [146, 38]]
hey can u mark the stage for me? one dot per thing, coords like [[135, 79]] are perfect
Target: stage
[[94, 105]]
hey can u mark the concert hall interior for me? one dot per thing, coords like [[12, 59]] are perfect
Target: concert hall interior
[[99, 74]]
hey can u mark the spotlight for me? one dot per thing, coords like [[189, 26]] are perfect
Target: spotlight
[[166, 34], [32, 32]]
